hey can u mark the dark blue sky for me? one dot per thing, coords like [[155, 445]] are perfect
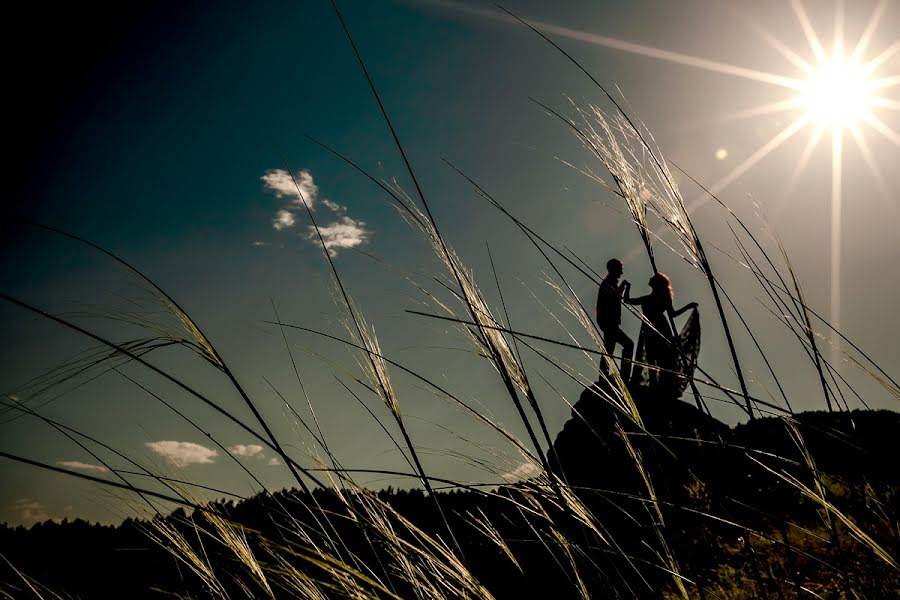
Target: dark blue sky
[[148, 131]]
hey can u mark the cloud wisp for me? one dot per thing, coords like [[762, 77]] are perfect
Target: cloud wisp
[[341, 232], [521, 472], [247, 450], [283, 220], [297, 189], [81, 466], [30, 511], [183, 454]]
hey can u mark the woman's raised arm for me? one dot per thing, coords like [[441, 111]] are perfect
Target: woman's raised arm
[[675, 313]]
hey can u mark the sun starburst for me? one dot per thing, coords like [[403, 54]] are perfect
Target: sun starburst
[[837, 92]]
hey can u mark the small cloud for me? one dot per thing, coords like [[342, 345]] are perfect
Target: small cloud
[[30, 511], [273, 461], [301, 189], [283, 219], [343, 233], [245, 449], [74, 464], [333, 206], [297, 189], [523, 471], [182, 454], [259, 244], [721, 154]]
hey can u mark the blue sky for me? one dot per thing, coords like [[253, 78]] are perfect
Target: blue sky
[[153, 131]]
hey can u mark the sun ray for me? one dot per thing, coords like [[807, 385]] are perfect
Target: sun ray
[[747, 113], [882, 58], [795, 59], [809, 32], [881, 127], [837, 151], [756, 111], [781, 137], [631, 47], [838, 49], [885, 103], [673, 57], [811, 144], [863, 44], [869, 159], [884, 82]]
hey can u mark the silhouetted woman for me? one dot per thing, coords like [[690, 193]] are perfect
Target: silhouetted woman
[[656, 334]]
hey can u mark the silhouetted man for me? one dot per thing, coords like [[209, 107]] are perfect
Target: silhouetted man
[[609, 317]]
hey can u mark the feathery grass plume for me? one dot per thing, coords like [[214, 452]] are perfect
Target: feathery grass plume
[[201, 344], [79, 370], [879, 374], [426, 563], [796, 314], [499, 349], [377, 368], [789, 299], [483, 525], [233, 537], [168, 536], [342, 567], [485, 333], [807, 323]]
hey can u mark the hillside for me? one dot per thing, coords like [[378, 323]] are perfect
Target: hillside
[[729, 500]]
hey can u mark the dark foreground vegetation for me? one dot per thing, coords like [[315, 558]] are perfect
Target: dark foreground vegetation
[[740, 509]]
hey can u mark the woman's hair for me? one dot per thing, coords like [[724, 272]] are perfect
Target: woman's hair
[[661, 283]]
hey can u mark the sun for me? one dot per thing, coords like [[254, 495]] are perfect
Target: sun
[[838, 93]]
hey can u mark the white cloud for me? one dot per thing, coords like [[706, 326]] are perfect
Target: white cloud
[[182, 454], [297, 189], [30, 511], [273, 461], [333, 206], [260, 244], [523, 471], [283, 219], [245, 449], [343, 233], [74, 464]]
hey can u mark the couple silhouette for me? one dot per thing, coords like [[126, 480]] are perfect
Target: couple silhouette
[[661, 356]]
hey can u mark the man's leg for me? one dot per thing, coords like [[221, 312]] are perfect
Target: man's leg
[[627, 351], [609, 337]]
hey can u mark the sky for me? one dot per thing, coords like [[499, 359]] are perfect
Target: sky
[[168, 135]]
